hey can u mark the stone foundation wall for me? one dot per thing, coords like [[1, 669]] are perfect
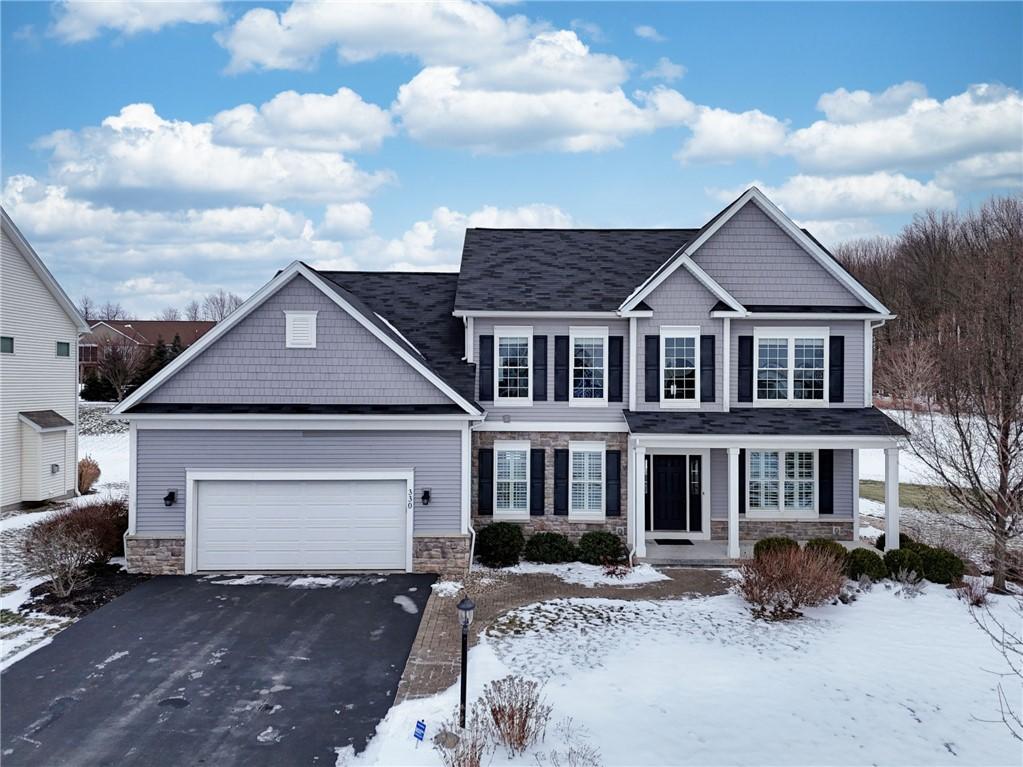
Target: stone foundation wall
[[839, 529], [550, 522], [441, 554], [155, 556]]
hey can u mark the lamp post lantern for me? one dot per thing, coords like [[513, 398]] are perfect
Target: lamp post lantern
[[466, 608]]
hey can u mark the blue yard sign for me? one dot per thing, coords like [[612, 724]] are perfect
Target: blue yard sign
[[420, 730]]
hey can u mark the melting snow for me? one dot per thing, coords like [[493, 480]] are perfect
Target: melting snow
[[406, 604], [591, 575], [447, 588], [116, 656]]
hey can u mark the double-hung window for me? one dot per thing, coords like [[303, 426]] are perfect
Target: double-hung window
[[513, 382], [511, 479], [782, 482], [680, 366], [589, 366], [791, 365], [586, 479]]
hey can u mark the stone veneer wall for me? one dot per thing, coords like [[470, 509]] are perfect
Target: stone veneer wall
[[839, 529], [549, 441], [155, 556], [441, 554]]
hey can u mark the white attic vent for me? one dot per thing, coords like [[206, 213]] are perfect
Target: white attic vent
[[300, 332]]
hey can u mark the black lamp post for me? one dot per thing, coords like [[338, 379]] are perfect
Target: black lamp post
[[466, 608]]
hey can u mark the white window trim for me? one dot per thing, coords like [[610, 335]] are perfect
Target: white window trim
[[791, 334], [588, 447], [781, 512], [505, 446], [680, 331], [56, 350], [513, 331], [289, 317], [586, 332]]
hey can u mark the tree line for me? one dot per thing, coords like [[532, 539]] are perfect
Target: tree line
[[213, 307]]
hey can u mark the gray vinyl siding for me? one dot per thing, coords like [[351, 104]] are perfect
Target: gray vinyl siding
[[679, 300], [165, 454], [756, 261], [843, 497], [551, 410], [251, 364], [851, 329]]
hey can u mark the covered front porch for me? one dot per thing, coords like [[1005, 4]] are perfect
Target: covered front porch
[[704, 487]]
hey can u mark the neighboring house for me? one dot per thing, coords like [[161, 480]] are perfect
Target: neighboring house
[[39, 329], [145, 333], [709, 385]]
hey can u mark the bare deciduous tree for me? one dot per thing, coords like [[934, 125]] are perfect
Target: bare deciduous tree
[[111, 310], [119, 361], [87, 307], [193, 311], [170, 313], [216, 306], [1007, 638]]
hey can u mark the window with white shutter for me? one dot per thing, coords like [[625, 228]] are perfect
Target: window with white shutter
[[300, 331]]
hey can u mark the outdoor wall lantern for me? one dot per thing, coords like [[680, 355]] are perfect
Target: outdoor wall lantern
[[426, 497], [466, 609], [168, 500], [54, 468]]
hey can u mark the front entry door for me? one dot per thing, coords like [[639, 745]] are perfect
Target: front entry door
[[677, 493]]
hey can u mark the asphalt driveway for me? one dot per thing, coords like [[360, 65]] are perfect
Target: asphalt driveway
[[216, 671]]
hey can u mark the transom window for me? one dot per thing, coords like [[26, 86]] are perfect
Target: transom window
[[680, 365], [511, 478], [512, 370], [791, 365], [589, 365], [782, 481], [586, 491], [63, 349]]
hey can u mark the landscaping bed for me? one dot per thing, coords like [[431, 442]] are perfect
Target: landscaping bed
[[108, 582]]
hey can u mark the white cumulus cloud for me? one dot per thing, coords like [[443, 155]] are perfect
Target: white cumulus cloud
[[648, 32], [80, 20], [844, 106], [722, 136], [665, 69]]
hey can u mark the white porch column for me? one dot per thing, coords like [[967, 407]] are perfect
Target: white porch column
[[638, 498], [733, 503], [856, 493], [891, 498]]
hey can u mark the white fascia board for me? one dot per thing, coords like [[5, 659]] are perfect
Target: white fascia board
[[558, 426], [301, 423], [498, 314], [802, 316], [763, 441]]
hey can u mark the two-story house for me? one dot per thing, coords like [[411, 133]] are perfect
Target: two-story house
[[708, 386]]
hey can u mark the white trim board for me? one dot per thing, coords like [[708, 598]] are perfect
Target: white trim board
[[302, 423], [763, 441], [296, 268], [554, 426]]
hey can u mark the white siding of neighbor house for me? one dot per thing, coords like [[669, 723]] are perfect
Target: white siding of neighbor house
[[34, 377], [164, 455], [757, 262]]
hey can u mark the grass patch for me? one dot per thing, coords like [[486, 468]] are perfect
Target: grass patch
[[8, 588], [927, 497], [10, 618]]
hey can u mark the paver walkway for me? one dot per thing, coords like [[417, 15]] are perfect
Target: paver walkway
[[433, 664]]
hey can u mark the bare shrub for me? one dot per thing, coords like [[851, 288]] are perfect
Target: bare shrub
[[107, 521], [780, 582], [88, 473], [61, 552], [468, 747], [518, 712], [910, 584], [973, 591], [575, 751], [616, 569], [1007, 638]]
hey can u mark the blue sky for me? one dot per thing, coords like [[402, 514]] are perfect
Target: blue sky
[[154, 152]]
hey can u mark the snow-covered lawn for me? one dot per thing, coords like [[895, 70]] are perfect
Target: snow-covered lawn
[[589, 575], [885, 680]]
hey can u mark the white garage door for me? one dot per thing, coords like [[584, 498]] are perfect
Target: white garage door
[[301, 525]]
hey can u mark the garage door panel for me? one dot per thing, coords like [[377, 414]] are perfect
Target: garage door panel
[[301, 524]]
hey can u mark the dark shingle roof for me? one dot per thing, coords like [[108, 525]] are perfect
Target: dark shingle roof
[[837, 422], [262, 408], [46, 419], [583, 270], [419, 306], [721, 306]]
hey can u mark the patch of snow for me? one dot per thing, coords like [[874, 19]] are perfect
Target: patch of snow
[[797, 687], [870, 533], [116, 656], [447, 588], [406, 604], [312, 582], [591, 575], [269, 735], [244, 580], [24, 521], [344, 755], [110, 451], [26, 643], [120, 562]]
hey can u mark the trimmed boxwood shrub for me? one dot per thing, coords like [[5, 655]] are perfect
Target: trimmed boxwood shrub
[[500, 544], [940, 565], [774, 543], [828, 546], [599, 547], [549, 548], [865, 562], [905, 542], [903, 559]]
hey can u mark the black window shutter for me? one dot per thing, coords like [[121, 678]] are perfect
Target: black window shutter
[[706, 368], [826, 481], [836, 369], [485, 493], [652, 368], [539, 368], [615, 367], [486, 368], [536, 481], [742, 481], [561, 368], [613, 483], [745, 393], [561, 481]]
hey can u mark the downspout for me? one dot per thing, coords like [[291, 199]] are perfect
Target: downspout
[[468, 525]]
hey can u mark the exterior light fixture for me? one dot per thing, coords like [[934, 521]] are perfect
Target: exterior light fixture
[[466, 611], [168, 500], [426, 497]]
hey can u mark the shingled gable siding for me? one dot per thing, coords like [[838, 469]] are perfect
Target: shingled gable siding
[[164, 455], [552, 410], [756, 261], [680, 300], [251, 362], [852, 330]]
